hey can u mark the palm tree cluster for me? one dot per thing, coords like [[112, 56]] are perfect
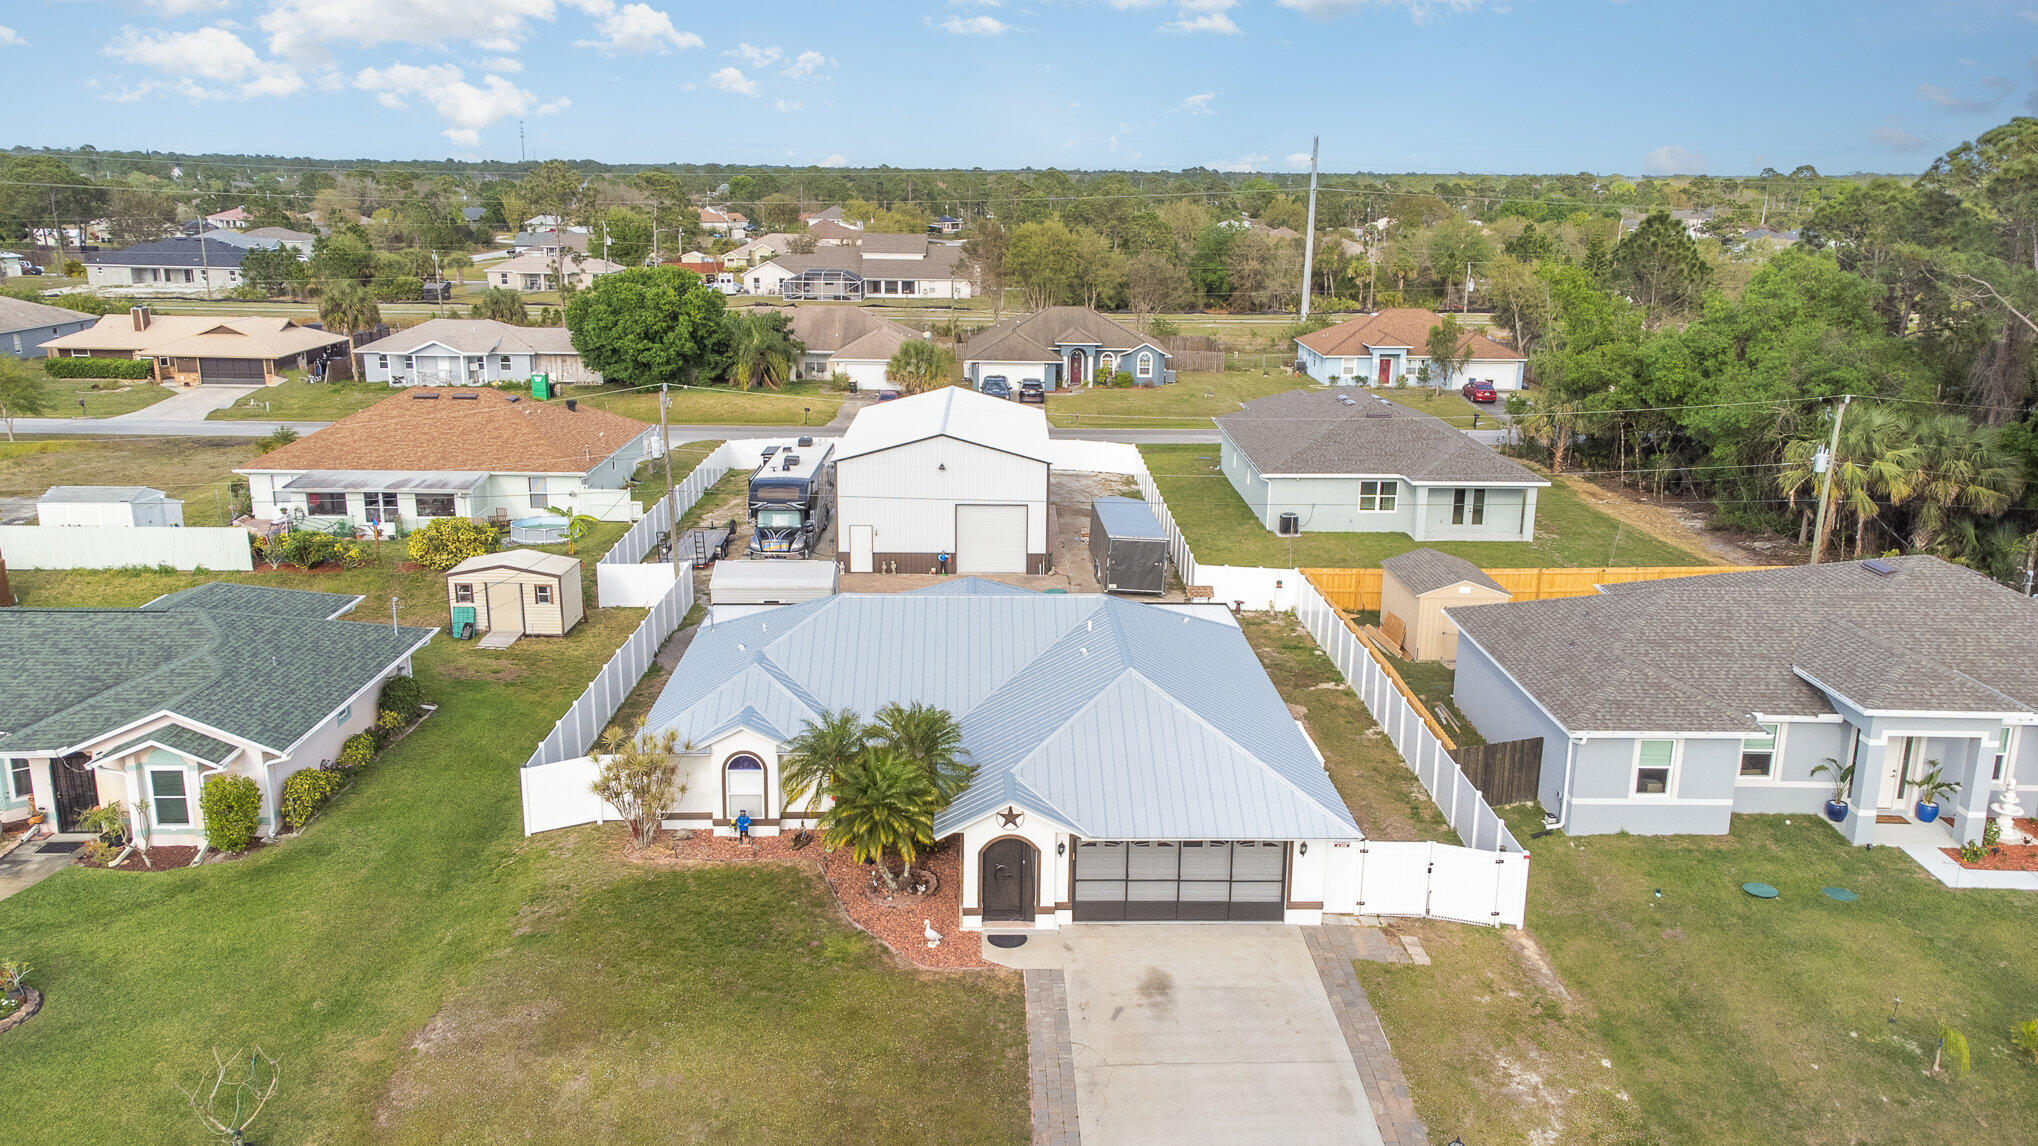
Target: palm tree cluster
[[887, 779], [1928, 479]]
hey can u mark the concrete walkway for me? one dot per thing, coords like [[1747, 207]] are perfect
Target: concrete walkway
[[28, 865], [1207, 1033]]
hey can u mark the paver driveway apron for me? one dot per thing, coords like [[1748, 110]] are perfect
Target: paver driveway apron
[[1207, 1033]]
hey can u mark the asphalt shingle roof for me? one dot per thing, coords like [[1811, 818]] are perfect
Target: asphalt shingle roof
[[468, 428], [1398, 326], [21, 314], [1118, 719], [177, 251], [1427, 570], [1035, 337], [1707, 653], [1333, 431], [263, 664]]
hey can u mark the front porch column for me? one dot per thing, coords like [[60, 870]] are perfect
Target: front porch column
[[1969, 805], [1860, 825], [1421, 530], [2008, 808]]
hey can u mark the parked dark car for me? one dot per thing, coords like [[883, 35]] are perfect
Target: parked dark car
[[887, 395], [1031, 390], [996, 387], [1479, 390], [30, 269]]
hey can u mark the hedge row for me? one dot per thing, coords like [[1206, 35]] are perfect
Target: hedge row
[[98, 367]]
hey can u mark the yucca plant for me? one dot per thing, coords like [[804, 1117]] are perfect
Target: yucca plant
[[883, 803]]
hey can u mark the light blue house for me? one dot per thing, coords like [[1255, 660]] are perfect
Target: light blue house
[[1668, 706], [1313, 461], [25, 326]]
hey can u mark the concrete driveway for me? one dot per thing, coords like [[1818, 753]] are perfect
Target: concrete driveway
[[1219, 1033]]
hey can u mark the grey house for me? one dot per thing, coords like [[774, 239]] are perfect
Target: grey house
[[1667, 706], [25, 326], [1357, 463]]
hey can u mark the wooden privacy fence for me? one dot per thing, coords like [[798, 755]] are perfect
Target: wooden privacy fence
[[1504, 773], [1358, 590]]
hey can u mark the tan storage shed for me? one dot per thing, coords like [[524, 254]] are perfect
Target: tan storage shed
[[519, 591], [1415, 589]]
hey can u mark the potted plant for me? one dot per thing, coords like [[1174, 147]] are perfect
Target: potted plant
[[1932, 789], [1843, 778], [34, 814]]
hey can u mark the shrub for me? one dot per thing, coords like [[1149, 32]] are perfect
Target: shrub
[[276, 439], [357, 751], [107, 821], [307, 792], [305, 548], [387, 726], [98, 368], [404, 696], [1953, 1047], [100, 852], [1163, 327], [447, 541], [233, 812], [1122, 380], [2025, 1038]]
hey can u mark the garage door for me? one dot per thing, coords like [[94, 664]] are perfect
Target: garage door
[[231, 371], [990, 539], [1189, 879]]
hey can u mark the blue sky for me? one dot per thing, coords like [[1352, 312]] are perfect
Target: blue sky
[[1638, 87]]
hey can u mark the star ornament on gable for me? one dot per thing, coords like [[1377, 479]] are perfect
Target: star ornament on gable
[[1010, 817]]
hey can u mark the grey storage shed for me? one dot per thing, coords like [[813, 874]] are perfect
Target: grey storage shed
[[1127, 546]]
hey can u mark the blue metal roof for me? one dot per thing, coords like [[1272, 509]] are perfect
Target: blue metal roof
[[1115, 718]]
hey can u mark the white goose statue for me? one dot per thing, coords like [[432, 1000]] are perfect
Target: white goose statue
[[933, 936]]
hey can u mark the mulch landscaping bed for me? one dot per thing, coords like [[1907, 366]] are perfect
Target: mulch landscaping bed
[[2004, 857], [896, 923], [164, 859]]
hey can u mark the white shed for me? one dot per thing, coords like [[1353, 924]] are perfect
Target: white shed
[[108, 505], [524, 591], [769, 582], [949, 472]]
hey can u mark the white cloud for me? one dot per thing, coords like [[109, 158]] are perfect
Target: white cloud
[[501, 64], [1420, 9], [1998, 87], [835, 160], [978, 3], [974, 26], [1242, 163], [786, 105], [304, 29], [1298, 159], [733, 81], [1203, 16], [1126, 5], [755, 56], [1895, 138], [192, 60], [175, 8], [635, 29], [1198, 104], [9, 36], [1673, 160], [807, 65], [467, 108], [553, 106]]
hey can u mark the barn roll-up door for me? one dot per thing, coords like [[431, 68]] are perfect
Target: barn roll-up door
[[990, 539], [231, 371], [1185, 880]]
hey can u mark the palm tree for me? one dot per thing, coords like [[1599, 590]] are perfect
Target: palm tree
[[883, 803], [932, 740], [1876, 464], [1960, 467], [763, 351], [578, 525], [919, 365], [817, 754], [348, 308], [500, 304]]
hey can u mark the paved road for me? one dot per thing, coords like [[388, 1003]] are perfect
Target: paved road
[[129, 425]]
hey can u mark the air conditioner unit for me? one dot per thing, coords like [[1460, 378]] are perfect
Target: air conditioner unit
[[1291, 524]]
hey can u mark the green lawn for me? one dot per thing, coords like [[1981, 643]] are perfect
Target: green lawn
[[1448, 405], [1724, 1018], [194, 469], [1222, 531], [299, 400], [797, 403], [104, 397], [424, 973], [1190, 403]]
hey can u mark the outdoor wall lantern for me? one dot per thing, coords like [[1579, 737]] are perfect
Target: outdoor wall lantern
[[1061, 847], [1304, 849]]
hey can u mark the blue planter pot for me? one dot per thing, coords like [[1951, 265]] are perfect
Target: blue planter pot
[[1927, 813], [1836, 811]]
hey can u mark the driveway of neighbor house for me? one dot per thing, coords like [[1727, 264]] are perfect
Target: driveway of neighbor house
[[1207, 1033], [188, 404]]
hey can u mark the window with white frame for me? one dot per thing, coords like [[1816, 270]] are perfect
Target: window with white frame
[[1378, 496], [504, 361], [2003, 742], [463, 593], [1468, 507], [382, 361], [1146, 364], [1654, 761], [1758, 754], [169, 800], [541, 594], [20, 783], [538, 498]]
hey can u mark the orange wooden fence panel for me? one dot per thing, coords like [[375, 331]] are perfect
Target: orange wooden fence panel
[[1358, 590]]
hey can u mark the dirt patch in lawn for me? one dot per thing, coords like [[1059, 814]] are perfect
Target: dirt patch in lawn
[[1682, 522]]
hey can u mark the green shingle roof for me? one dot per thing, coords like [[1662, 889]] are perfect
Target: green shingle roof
[[262, 664], [177, 738]]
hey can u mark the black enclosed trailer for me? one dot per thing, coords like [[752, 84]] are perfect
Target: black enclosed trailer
[[1127, 546]]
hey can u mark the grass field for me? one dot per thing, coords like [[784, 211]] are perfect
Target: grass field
[[1222, 531], [104, 397], [194, 469], [298, 400], [1188, 404], [1722, 1017], [720, 405]]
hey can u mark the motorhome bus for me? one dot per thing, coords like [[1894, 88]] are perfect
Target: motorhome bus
[[792, 495]]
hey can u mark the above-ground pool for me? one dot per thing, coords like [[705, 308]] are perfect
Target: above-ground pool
[[538, 530]]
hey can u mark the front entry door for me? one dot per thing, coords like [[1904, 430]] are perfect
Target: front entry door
[[1006, 882], [1076, 363], [77, 791], [1386, 372], [1896, 765]]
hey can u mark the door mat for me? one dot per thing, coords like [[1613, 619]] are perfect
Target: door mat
[[1006, 940], [59, 847], [1889, 819]]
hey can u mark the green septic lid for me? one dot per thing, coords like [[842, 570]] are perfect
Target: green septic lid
[[1759, 890], [1839, 894]]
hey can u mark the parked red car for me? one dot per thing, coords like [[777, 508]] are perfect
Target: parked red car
[[1479, 391]]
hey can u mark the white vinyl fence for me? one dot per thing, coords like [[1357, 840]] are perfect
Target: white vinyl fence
[[621, 578], [218, 548], [552, 771]]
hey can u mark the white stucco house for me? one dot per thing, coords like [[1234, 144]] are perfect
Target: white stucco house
[[1392, 347], [142, 706], [949, 472], [1133, 761], [865, 267], [471, 352], [528, 274]]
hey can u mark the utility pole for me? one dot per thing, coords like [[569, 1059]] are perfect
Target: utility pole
[[522, 157], [1309, 235], [665, 436], [1826, 487], [2030, 567]]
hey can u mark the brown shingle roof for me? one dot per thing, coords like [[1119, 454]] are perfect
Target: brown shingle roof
[[461, 428], [1397, 326], [829, 329], [263, 337]]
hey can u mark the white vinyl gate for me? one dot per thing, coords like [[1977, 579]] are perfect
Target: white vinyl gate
[[990, 539]]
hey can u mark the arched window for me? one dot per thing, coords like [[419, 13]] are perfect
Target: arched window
[[743, 786], [1146, 364]]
